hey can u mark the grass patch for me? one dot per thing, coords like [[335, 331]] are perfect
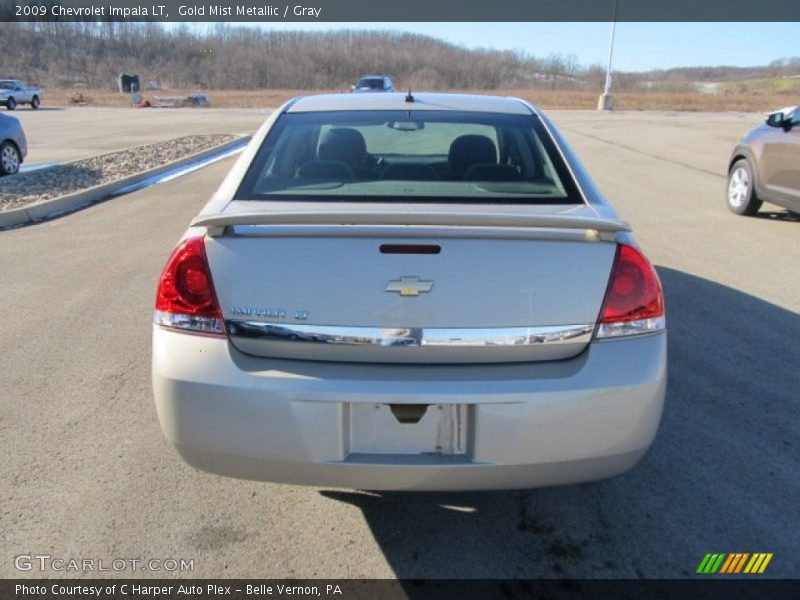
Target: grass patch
[[752, 98], [783, 85]]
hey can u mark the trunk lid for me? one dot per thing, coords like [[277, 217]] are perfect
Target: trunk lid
[[356, 285]]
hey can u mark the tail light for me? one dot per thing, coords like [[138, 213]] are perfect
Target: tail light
[[634, 302], [185, 298]]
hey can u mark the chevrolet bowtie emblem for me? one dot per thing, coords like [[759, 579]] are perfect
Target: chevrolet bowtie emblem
[[409, 286]]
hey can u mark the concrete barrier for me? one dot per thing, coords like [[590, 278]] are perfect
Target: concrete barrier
[[52, 207]]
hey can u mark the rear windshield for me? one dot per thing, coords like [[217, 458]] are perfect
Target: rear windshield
[[409, 156], [372, 83]]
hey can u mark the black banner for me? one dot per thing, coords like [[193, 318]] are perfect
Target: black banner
[[390, 10], [349, 589]]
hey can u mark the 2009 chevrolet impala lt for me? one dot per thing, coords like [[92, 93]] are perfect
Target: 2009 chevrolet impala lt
[[409, 292]]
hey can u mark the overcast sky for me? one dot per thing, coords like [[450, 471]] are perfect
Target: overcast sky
[[638, 46]]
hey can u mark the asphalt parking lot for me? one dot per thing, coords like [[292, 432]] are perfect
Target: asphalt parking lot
[[85, 472], [58, 134]]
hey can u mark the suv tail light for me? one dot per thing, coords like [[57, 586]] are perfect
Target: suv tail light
[[634, 303], [185, 298]]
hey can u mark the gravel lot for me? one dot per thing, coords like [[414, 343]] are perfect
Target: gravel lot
[[26, 188]]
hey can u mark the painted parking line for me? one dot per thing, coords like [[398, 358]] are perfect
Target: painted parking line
[[36, 167]]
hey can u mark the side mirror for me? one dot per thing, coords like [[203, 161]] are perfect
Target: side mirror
[[352, 88], [778, 119]]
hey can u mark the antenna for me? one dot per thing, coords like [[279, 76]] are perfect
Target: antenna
[[409, 97]]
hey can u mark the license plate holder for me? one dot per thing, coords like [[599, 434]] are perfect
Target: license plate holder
[[377, 429]]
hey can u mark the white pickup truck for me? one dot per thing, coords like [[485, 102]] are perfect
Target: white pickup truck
[[14, 92]]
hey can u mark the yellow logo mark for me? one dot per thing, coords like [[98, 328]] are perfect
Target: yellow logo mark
[[409, 286]]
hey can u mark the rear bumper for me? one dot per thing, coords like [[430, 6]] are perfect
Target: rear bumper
[[530, 425]]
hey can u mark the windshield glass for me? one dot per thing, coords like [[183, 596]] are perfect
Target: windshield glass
[[372, 83], [420, 156]]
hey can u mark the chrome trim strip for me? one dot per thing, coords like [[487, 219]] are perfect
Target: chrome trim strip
[[496, 337]]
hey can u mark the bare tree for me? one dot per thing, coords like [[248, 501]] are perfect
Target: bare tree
[[223, 56]]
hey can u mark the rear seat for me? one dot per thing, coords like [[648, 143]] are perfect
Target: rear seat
[[409, 172], [492, 172]]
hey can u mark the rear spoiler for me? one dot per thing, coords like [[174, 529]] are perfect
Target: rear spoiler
[[218, 222]]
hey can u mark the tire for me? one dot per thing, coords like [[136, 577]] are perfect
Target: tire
[[741, 194], [10, 159], [11, 104], [35, 103]]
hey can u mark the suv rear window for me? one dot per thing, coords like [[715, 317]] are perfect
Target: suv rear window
[[409, 156], [372, 83]]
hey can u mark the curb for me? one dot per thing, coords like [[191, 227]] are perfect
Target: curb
[[51, 207]]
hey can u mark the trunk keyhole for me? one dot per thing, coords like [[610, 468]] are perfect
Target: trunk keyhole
[[408, 413]]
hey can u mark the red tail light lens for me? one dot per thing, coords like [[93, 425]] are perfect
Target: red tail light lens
[[185, 298], [634, 302]]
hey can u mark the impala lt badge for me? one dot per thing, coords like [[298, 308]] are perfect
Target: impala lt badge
[[409, 286], [260, 312]]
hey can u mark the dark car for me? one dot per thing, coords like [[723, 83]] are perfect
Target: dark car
[[373, 83], [765, 165]]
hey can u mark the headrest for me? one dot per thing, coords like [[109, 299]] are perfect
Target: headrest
[[344, 145], [468, 150]]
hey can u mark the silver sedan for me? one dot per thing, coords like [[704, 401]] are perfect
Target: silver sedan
[[409, 292], [13, 145]]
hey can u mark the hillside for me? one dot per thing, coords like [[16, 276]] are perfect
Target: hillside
[[224, 57]]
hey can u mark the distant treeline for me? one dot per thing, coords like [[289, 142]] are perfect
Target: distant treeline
[[232, 57], [777, 68]]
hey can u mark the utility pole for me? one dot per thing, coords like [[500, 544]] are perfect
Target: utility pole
[[606, 100]]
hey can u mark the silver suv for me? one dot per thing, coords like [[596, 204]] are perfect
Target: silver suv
[[13, 145], [373, 83], [765, 165]]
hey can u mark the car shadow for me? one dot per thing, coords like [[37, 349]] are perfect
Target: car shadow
[[778, 215], [41, 109], [722, 475]]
